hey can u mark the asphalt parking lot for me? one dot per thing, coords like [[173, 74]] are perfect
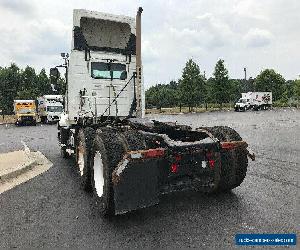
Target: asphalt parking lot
[[52, 211]]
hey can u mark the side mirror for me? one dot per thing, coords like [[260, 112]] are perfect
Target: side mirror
[[123, 75], [54, 73]]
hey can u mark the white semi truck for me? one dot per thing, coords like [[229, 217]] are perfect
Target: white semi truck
[[126, 160], [254, 100], [50, 108]]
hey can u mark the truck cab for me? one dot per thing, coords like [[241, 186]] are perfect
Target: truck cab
[[242, 104], [50, 108], [102, 65]]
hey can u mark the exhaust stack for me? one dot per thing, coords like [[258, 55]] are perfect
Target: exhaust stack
[[139, 61]]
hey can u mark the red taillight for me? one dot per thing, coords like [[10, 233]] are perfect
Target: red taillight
[[211, 162], [174, 167]]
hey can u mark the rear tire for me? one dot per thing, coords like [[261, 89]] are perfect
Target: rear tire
[[234, 162], [100, 178], [84, 144], [108, 150]]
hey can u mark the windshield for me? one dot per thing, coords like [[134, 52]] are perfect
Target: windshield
[[242, 101], [25, 111], [55, 108], [101, 70]]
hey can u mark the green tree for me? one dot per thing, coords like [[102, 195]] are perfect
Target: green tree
[[28, 88], [44, 86], [10, 81], [248, 85], [153, 97], [209, 93], [297, 89], [236, 88], [61, 86], [162, 95], [192, 85], [221, 85], [269, 80]]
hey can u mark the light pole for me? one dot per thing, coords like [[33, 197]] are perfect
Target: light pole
[[245, 79]]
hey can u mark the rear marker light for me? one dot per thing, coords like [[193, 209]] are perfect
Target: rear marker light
[[212, 164], [174, 167]]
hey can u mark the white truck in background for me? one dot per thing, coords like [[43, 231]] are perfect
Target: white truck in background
[[50, 108], [254, 100]]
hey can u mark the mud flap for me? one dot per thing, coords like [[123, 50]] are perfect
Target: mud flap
[[136, 184]]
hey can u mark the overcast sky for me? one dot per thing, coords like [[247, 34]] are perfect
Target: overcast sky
[[256, 34]]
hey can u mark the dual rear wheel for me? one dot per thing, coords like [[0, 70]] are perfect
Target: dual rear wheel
[[97, 155], [234, 162], [99, 152]]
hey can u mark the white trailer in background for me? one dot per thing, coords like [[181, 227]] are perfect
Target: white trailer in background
[[50, 108], [254, 100]]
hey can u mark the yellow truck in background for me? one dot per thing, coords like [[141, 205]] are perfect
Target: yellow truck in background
[[25, 112]]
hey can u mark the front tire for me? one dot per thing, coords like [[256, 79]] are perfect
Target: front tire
[[63, 139], [84, 144]]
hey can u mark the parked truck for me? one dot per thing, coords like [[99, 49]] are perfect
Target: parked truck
[[25, 112], [50, 108], [255, 101], [126, 160]]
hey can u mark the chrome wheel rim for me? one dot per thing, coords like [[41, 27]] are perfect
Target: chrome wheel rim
[[80, 159], [98, 174]]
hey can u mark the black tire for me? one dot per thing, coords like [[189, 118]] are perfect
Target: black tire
[[63, 153], [83, 151], [234, 163], [109, 148], [63, 138]]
